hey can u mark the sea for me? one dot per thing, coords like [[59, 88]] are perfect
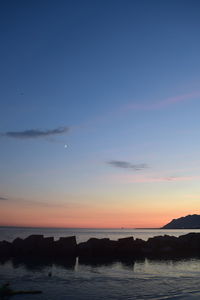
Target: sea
[[100, 280]]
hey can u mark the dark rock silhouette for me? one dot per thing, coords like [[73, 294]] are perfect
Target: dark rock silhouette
[[38, 245], [32, 244], [97, 247], [66, 248], [128, 247], [5, 248], [187, 222], [18, 246]]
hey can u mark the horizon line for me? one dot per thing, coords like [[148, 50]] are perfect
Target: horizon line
[[57, 227]]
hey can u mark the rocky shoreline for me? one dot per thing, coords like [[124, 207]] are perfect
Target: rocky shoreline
[[67, 247]]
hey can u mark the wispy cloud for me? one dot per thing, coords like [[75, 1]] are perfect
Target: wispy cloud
[[35, 133], [153, 179], [127, 165], [163, 103], [3, 198]]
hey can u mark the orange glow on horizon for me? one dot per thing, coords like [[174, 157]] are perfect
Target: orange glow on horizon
[[140, 214], [134, 221]]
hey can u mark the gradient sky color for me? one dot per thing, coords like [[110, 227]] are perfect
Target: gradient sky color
[[100, 112]]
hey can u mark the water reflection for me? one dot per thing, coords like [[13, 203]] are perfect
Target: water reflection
[[87, 278], [34, 264], [106, 262], [39, 264]]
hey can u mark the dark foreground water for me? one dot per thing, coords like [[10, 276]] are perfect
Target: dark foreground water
[[73, 280]]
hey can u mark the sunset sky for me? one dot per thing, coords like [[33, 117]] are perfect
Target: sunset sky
[[100, 112]]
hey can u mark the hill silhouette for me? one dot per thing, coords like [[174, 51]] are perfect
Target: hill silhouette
[[187, 222]]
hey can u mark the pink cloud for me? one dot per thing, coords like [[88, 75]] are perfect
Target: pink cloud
[[137, 106], [164, 103], [151, 179]]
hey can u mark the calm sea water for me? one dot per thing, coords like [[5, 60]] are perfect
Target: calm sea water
[[82, 235], [74, 280]]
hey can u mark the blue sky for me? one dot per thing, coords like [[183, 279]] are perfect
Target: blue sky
[[122, 77]]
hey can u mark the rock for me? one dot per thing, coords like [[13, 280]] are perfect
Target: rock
[[126, 240], [34, 238], [18, 246], [162, 246], [32, 244], [5, 249], [125, 246], [98, 247], [46, 247], [84, 249], [66, 246], [190, 243], [139, 245]]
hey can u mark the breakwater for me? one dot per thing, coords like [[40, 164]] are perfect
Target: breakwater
[[67, 247]]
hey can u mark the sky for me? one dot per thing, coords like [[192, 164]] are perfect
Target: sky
[[99, 112]]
